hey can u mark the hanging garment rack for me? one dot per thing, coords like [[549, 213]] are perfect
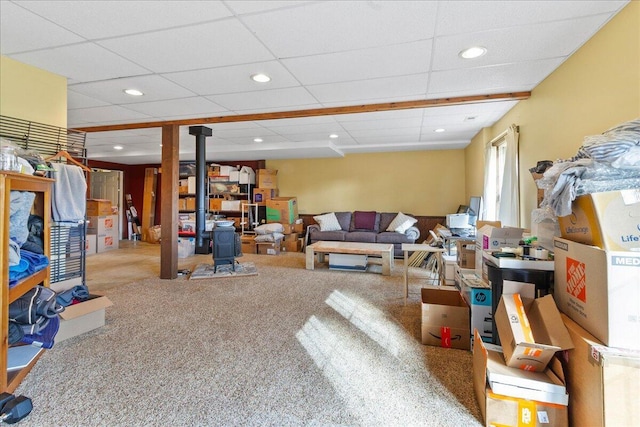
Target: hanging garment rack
[[70, 158]]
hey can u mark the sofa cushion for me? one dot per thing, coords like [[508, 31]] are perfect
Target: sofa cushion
[[328, 222], [401, 223], [385, 220], [361, 236], [393, 237], [332, 236], [344, 218], [365, 221]]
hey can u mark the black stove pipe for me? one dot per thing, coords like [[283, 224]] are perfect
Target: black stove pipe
[[201, 133]]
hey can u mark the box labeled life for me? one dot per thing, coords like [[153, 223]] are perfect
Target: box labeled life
[[261, 195], [445, 319], [267, 178], [599, 290], [282, 209], [531, 331], [609, 220]]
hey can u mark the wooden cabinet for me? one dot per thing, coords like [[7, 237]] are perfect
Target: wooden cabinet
[[42, 207]]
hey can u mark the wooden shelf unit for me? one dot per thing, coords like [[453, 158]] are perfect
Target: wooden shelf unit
[[42, 207]]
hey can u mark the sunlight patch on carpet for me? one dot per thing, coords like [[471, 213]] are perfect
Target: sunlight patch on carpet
[[206, 271]]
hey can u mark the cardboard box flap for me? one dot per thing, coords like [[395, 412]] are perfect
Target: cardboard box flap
[[480, 372], [94, 303], [547, 324], [436, 296]]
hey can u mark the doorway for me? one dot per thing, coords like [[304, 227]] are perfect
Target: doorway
[[108, 184]]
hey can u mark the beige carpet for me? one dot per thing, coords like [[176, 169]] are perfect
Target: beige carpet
[[288, 347]]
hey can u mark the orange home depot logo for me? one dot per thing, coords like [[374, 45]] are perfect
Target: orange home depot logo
[[576, 279], [108, 241]]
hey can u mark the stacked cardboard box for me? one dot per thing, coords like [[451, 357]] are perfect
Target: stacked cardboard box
[[266, 186], [105, 228]]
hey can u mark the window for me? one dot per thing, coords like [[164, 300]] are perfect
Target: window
[[501, 189]]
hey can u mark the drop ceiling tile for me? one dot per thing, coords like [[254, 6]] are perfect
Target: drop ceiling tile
[[233, 79], [370, 90], [269, 139], [382, 124], [21, 31], [102, 19], [412, 133], [385, 61], [77, 100], [504, 46], [321, 128], [185, 106], [276, 98], [464, 135], [194, 47], [324, 27], [111, 113], [247, 134], [380, 115], [81, 63], [249, 6], [297, 121], [469, 16], [492, 79], [155, 88]]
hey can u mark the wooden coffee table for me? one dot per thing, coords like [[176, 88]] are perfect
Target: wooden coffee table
[[383, 250]]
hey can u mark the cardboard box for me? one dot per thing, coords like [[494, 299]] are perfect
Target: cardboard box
[[215, 204], [609, 220], [292, 245], [449, 269], [289, 229], [466, 253], [99, 207], [267, 178], [348, 262], [261, 195], [101, 225], [106, 242], [540, 193], [600, 290], [90, 244], [489, 238], [603, 382], [245, 175], [269, 248], [86, 316], [190, 203], [183, 186], [248, 244], [530, 330], [500, 410], [231, 205], [546, 386], [445, 319], [291, 237], [477, 294], [282, 209], [191, 185]]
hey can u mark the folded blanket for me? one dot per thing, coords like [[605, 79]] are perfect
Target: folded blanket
[[68, 201], [36, 262]]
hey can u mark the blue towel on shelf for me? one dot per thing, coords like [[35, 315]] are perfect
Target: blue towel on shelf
[[36, 262], [68, 201]]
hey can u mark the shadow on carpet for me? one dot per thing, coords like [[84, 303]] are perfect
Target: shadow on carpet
[[206, 271]]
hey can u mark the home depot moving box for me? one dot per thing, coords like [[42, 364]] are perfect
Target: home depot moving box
[[599, 290], [530, 330], [609, 220], [445, 318], [500, 410], [603, 382]]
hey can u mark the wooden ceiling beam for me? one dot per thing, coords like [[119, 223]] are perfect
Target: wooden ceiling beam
[[328, 111]]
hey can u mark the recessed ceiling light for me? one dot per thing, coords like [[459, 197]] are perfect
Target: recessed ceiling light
[[333, 136], [133, 92], [439, 130], [118, 147], [473, 52], [257, 139], [260, 78]]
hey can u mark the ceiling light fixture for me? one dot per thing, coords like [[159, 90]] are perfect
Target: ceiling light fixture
[[118, 147], [333, 136], [439, 130], [260, 78], [473, 52], [133, 92], [257, 139]]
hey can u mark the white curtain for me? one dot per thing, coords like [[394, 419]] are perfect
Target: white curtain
[[490, 191], [510, 192]]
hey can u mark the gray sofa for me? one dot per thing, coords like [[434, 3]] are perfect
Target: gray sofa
[[377, 234]]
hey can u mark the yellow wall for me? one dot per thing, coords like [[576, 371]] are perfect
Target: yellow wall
[[420, 183], [32, 94], [596, 88]]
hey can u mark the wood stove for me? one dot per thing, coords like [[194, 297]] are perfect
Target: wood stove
[[226, 246]]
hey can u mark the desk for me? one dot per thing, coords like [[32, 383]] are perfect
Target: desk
[[420, 247]]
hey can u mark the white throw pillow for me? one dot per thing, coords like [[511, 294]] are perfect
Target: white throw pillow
[[328, 222], [401, 223], [269, 228]]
